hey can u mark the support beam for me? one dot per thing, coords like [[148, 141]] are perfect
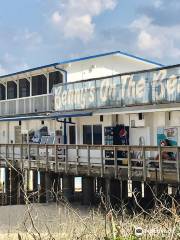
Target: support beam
[[68, 187], [88, 190], [107, 190], [48, 185], [11, 186], [42, 187]]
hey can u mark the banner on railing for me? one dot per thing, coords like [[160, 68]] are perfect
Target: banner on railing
[[157, 86]]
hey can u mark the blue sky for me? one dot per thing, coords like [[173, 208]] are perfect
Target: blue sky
[[38, 32]]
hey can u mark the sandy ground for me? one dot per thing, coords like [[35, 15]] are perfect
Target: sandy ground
[[46, 217]]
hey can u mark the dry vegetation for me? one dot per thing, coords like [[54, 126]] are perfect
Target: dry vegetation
[[60, 221]]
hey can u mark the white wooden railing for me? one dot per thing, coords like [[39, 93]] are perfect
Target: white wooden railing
[[40, 103]]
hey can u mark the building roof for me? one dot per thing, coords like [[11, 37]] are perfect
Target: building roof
[[117, 53]]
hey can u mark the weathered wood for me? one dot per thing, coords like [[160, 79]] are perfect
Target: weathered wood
[[6, 153], [77, 159], [129, 165], [160, 164], [88, 158], [56, 158], [29, 156], [66, 158], [13, 157], [21, 157], [144, 165], [115, 163], [92, 164], [47, 158], [102, 162], [177, 165]]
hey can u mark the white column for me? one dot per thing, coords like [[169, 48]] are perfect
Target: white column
[[5, 84], [17, 83], [30, 92], [47, 77], [17, 99], [6, 97], [30, 82], [47, 98]]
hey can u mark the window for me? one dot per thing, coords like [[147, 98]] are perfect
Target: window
[[97, 134], [87, 134], [11, 90], [24, 88], [54, 78], [39, 85], [72, 135], [92, 134], [2, 92]]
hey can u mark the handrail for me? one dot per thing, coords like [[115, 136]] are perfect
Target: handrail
[[24, 98], [98, 160], [26, 105]]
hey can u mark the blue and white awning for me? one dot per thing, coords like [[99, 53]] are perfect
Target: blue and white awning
[[55, 115]]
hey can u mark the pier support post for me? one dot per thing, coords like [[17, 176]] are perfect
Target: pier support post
[[48, 185], [100, 185], [68, 187], [88, 190], [115, 191], [100, 190], [108, 190], [11, 186], [42, 188]]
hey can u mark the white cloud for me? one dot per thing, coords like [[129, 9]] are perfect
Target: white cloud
[[157, 3], [82, 26], [10, 63], [75, 18], [147, 41], [56, 17], [155, 40], [30, 38]]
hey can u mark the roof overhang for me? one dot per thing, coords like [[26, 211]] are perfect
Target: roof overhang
[[140, 109], [51, 116]]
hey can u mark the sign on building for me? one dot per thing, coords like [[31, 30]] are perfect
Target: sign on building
[[156, 86]]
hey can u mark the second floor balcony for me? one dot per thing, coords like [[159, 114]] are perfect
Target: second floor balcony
[[28, 92], [41, 103]]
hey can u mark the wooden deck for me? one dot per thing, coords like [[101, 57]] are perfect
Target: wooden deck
[[142, 163]]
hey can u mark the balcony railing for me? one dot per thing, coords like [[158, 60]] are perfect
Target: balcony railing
[[142, 163], [40, 103]]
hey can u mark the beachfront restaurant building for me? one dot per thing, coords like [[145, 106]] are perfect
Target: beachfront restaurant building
[[113, 114]]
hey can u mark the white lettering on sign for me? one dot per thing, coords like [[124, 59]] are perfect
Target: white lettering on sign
[[140, 88], [171, 85], [158, 90], [151, 87]]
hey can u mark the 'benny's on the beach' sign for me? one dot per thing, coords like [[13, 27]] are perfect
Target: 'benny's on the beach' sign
[[157, 86]]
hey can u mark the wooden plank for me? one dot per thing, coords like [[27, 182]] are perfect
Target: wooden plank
[[115, 163], [102, 162], [21, 157], [13, 157], [6, 154], [144, 165], [66, 158], [56, 158], [29, 157], [89, 161], [129, 165], [177, 165], [77, 159], [38, 158], [47, 157], [160, 164]]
